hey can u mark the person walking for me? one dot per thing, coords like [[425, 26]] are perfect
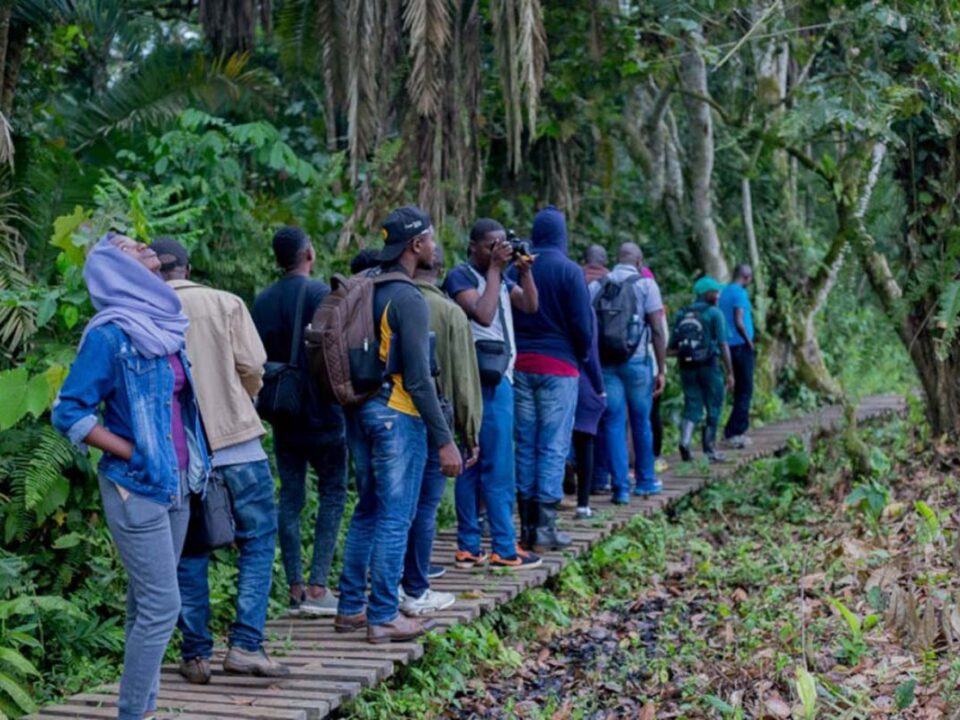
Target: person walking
[[551, 344], [316, 437], [630, 349], [227, 361], [591, 404], [699, 337], [458, 386], [489, 299], [132, 362], [389, 439], [738, 314]]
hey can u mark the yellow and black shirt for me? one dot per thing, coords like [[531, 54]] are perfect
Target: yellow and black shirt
[[403, 327]]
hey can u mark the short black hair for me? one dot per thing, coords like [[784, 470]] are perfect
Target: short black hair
[[364, 260], [289, 242], [482, 227]]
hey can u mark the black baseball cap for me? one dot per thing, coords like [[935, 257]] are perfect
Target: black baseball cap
[[171, 253], [400, 227]]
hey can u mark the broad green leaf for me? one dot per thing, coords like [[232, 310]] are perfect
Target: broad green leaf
[[17, 693], [807, 690], [37, 398], [67, 541], [904, 694], [18, 662], [929, 516], [56, 374], [46, 310], [13, 405], [64, 228], [853, 622]]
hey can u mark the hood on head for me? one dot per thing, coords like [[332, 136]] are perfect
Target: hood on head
[[549, 229]]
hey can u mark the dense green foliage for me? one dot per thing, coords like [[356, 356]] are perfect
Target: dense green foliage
[[804, 139]]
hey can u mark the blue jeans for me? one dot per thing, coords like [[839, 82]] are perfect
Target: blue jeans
[[491, 478], [424, 527], [149, 537], [543, 427], [744, 360], [251, 489], [389, 451], [327, 455], [629, 392]]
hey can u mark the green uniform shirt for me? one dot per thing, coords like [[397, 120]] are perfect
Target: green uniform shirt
[[457, 360]]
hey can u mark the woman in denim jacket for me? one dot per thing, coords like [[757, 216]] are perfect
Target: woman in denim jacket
[[132, 361]]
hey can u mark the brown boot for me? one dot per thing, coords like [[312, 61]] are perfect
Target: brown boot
[[244, 662], [196, 670], [349, 623], [400, 629]]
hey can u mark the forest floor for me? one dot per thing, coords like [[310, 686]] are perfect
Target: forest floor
[[790, 591]]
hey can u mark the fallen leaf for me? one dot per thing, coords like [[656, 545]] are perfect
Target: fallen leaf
[[809, 582], [649, 712]]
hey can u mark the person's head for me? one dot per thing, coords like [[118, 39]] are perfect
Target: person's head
[[435, 271], [408, 239], [743, 274], [484, 235], [596, 255], [630, 254], [293, 250], [141, 252], [707, 289], [549, 229], [174, 259], [364, 260]]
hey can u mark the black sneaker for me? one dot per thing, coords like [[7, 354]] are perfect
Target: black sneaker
[[436, 571]]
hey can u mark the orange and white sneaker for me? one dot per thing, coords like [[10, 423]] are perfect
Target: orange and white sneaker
[[522, 560], [466, 560]]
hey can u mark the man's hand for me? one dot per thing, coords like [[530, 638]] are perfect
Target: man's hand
[[729, 381], [451, 464], [523, 263], [473, 455], [501, 254], [659, 383]]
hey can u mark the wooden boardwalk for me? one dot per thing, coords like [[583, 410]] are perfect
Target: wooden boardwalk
[[329, 669]]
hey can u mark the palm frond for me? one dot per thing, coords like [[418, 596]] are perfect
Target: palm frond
[[428, 24], [363, 31], [166, 84]]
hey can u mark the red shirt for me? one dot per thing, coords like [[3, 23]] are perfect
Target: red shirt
[[545, 365]]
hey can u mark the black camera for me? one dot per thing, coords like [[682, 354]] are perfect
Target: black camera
[[521, 248]]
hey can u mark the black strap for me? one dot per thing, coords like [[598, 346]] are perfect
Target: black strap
[[294, 358]]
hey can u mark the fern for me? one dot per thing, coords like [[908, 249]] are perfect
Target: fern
[[947, 317], [47, 461]]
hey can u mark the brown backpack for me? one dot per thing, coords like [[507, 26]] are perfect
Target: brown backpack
[[341, 340]]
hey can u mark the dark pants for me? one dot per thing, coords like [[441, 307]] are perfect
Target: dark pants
[[744, 362], [583, 448], [327, 455], [703, 389]]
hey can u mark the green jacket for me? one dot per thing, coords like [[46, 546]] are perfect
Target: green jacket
[[713, 323], [459, 377]]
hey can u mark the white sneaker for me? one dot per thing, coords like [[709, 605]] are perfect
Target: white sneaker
[[738, 442], [430, 601]]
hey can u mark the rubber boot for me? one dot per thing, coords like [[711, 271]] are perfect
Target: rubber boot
[[686, 438], [709, 445], [546, 534], [526, 528]]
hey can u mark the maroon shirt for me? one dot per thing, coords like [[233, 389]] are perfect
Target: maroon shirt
[[179, 436]]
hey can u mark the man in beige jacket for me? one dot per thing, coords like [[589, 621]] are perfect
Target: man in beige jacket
[[227, 358]]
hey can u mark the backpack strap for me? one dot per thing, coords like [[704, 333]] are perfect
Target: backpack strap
[[294, 359]]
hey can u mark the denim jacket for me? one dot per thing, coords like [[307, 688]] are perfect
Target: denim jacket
[[136, 393]]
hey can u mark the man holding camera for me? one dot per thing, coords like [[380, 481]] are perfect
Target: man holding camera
[[489, 298]]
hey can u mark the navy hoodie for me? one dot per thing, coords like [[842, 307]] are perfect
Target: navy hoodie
[[562, 327]]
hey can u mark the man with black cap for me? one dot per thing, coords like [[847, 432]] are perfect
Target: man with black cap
[[227, 358], [317, 437], [389, 439]]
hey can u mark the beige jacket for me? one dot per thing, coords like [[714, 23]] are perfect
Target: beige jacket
[[227, 358]]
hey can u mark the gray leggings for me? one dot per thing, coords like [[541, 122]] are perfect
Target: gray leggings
[[149, 538]]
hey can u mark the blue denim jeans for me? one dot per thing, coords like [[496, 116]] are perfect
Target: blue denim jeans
[[424, 527], [389, 451], [327, 455], [492, 478], [251, 489], [545, 407], [629, 392], [149, 537]]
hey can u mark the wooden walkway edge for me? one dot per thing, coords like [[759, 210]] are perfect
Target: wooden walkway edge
[[329, 669]]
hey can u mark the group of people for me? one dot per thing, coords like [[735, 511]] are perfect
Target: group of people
[[496, 374]]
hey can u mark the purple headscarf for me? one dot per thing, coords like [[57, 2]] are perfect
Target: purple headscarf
[[139, 302]]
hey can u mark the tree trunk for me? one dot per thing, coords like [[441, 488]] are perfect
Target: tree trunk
[[759, 282], [693, 76]]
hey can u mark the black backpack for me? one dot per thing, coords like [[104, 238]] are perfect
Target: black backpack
[[618, 320], [690, 336]]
